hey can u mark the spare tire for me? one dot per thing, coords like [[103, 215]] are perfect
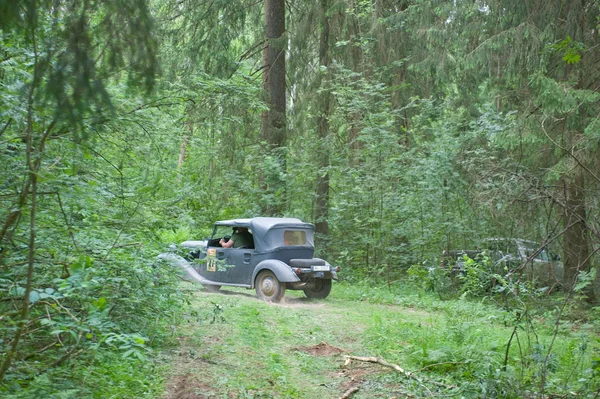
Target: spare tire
[[307, 262], [320, 289]]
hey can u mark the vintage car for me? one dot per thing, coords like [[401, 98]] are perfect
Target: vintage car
[[278, 256]]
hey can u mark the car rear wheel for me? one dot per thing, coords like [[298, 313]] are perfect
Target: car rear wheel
[[268, 288], [320, 290]]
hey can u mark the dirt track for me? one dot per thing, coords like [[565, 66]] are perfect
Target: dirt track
[[235, 346]]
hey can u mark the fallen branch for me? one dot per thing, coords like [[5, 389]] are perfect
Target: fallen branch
[[397, 368], [349, 392], [379, 361]]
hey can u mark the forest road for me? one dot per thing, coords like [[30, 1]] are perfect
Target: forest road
[[232, 345]]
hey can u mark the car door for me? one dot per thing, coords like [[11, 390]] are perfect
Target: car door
[[239, 261], [228, 265], [216, 267]]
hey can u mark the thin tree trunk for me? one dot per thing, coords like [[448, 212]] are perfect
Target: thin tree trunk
[[355, 144], [182, 149], [576, 244]]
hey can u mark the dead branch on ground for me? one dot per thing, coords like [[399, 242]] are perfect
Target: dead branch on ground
[[399, 369], [379, 361], [349, 392]]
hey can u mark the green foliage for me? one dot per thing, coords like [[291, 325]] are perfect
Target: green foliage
[[595, 369], [179, 235], [571, 51], [447, 124], [217, 314], [91, 292], [477, 277]]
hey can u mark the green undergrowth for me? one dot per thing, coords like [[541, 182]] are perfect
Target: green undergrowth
[[550, 348], [234, 346], [108, 375], [118, 339]]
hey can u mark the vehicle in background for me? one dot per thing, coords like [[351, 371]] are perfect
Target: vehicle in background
[[513, 255], [455, 260], [280, 258]]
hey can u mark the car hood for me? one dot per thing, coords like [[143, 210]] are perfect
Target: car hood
[[194, 244]]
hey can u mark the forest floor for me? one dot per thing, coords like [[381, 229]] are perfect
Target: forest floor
[[233, 346], [236, 346]]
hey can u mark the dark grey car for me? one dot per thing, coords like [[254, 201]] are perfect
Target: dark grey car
[[280, 258]]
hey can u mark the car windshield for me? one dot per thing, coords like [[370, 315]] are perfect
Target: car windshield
[[541, 255], [503, 247]]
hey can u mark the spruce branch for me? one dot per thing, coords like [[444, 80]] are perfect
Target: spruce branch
[[569, 152]]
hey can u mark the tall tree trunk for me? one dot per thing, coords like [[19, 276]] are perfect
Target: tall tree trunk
[[322, 211], [355, 60], [274, 120]]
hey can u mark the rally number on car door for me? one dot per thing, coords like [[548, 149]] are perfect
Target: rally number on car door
[[211, 260]]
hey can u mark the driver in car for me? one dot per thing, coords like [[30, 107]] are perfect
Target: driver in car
[[241, 238]]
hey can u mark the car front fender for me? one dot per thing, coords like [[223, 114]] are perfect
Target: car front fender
[[282, 271], [185, 268]]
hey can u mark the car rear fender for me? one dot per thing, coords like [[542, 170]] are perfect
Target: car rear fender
[[282, 271]]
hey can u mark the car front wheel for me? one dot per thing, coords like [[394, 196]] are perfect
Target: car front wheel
[[320, 290], [268, 288]]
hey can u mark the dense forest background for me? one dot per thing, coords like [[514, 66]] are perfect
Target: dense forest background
[[399, 128]]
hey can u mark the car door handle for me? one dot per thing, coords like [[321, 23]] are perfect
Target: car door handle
[[247, 256], [220, 255]]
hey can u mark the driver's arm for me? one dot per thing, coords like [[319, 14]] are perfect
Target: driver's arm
[[227, 244]]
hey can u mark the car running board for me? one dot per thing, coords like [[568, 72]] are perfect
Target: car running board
[[190, 274]]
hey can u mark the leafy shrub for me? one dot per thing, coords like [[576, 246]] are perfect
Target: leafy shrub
[[477, 276]]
